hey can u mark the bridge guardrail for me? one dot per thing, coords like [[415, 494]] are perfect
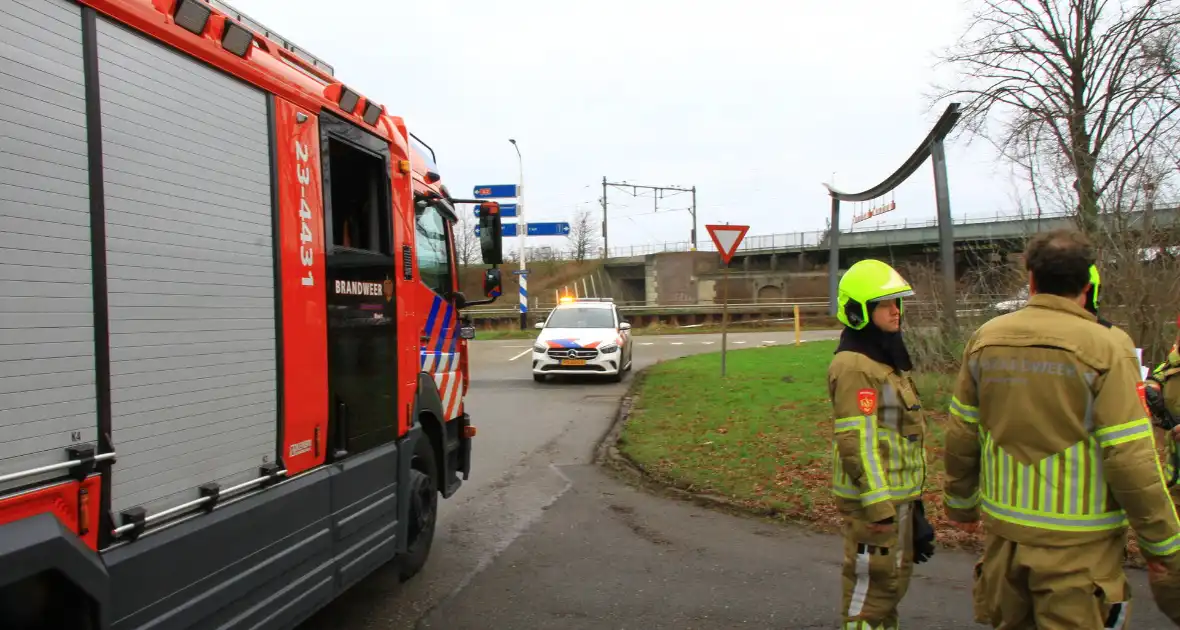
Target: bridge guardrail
[[815, 238]]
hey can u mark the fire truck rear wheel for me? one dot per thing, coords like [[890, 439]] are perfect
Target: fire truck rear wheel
[[423, 491]]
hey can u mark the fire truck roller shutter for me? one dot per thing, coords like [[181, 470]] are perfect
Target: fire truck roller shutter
[[190, 273], [47, 376]]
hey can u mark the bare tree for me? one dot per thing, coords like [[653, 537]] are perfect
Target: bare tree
[[582, 237], [1082, 91], [467, 251], [512, 256]]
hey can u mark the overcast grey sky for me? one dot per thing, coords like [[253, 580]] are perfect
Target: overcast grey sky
[[754, 102]]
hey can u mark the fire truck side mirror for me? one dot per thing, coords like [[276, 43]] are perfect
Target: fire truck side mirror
[[491, 234], [492, 283]]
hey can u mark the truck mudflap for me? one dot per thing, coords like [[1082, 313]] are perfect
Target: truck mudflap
[[35, 548], [465, 439]]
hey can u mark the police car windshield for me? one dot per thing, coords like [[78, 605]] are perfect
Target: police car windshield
[[581, 318]]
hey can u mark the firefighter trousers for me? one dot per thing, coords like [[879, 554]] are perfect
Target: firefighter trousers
[[1082, 587], [877, 569]]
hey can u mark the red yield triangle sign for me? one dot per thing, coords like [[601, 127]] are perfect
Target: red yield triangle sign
[[727, 238]]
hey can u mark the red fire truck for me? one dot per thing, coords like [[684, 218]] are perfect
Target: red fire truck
[[232, 360]]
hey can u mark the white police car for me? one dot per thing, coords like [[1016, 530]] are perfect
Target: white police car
[[583, 336]]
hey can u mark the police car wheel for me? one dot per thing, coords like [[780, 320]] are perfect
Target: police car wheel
[[540, 378]]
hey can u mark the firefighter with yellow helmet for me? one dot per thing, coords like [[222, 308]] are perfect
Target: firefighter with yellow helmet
[[1050, 439], [879, 447], [1091, 304]]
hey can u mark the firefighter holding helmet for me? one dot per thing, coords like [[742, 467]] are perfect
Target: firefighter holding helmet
[[879, 451], [1049, 439]]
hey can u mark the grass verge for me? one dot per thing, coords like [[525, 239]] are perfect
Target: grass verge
[[761, 437]]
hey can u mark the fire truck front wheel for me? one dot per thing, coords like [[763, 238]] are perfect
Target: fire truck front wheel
[[423, 493]]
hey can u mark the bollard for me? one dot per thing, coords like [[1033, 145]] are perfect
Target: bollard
[[798, 341]]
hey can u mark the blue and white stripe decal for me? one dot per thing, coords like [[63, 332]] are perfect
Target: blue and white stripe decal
[[439, 356]]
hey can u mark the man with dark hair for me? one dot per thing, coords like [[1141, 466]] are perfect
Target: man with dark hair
[[1060, 260], [1050, 439]]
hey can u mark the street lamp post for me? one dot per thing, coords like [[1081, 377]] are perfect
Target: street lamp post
[[522, 230]]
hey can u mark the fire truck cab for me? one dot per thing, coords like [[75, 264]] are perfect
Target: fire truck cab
[[232, 359]]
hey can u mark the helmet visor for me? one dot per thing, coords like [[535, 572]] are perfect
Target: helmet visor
[[894, 296]]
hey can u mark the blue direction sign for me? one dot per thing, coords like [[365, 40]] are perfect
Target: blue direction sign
[[495, 191], [535, 229], [506, 210], [549, 229]]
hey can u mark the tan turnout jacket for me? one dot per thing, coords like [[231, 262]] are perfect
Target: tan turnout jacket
[[1050, 436], [878, 452]]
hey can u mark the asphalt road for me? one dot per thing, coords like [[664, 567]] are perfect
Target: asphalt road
[[541, 538]]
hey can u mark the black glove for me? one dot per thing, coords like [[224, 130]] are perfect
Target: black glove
[[923, 534], [1158, 408]]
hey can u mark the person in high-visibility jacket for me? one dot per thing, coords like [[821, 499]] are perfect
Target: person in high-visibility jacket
[[1162, 391], [879, 462], [1162, 410], [1049, 437]]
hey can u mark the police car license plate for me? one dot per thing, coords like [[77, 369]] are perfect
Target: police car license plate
[[573, 361]]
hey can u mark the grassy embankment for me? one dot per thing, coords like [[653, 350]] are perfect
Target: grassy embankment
[[761, 438]]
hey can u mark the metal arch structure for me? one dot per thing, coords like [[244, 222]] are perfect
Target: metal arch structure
[[932, 147]]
